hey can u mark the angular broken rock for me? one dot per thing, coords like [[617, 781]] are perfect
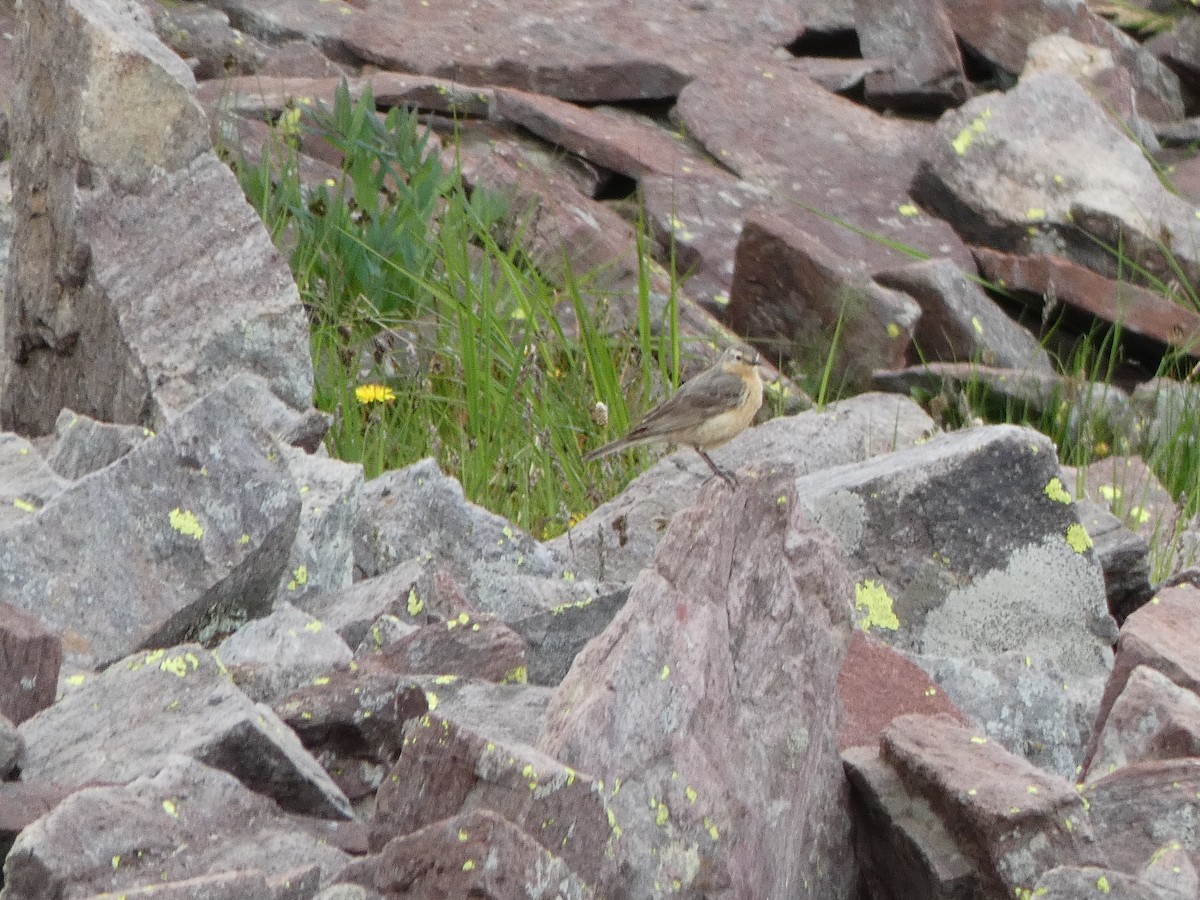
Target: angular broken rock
[[30, 659], [959, 322], [204, 513], [178, 820], [1013, 819], [82, 444], [27, 483], [124, 723], [792, 296], [969, 544], [141, 305], [712, 698], [922, 67], [477, 854], [274, 656], [447, 769], [1041, 169], [1153, 718]]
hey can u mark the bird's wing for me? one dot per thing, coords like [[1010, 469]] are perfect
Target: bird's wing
[[710, 393]]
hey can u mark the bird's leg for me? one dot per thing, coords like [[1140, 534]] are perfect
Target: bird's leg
[[727, 477]]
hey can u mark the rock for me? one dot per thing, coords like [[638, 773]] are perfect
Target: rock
[[1152, 718], [782, 130], [408, 592], [162, 829], [586, 52], [322, 556], [798, 301], [1124, 557], [618, 142], [877, 684], [617, 540], [990, 171], [274, 656], [1145, 317], [203, 513], [902, 846], [1162, 636], [123, 723], [1088, 410], [1179, 49], [1146, 809], [274, 21], [479, 646], [12, 748], [27, 483], [1023, 702], [924, 70], [1002, 32], [104, 182], [477, 854], [299, 59], [30, 658], [1080, 882], [556, 636], [446, 770], [83, 445], [984, 552], [22, 803], [743, 607], [959, 322], [202, 37], [1013, 819]]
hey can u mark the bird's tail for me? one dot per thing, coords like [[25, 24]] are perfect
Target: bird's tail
[[608, 449]]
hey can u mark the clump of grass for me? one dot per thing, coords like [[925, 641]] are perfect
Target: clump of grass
[[431, 337]]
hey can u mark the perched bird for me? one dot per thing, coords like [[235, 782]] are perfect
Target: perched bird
[[704, 413]]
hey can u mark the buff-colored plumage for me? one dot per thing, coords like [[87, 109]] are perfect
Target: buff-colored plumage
[[706, 412]]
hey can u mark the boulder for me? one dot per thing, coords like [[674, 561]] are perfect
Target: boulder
[[124, 723], [122, 302], [737, 629]]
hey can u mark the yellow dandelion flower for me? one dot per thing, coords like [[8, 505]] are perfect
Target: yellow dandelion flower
[[374, 393]]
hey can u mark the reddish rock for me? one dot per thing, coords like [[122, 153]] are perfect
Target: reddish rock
[[1139, 311], [23, 802], [712, 699], [1014, 819], [446, 770], [877, 684], [582, 50], [1153, 718], [299, 59], [1146, 809], [478, 855], [265, 97], [779, 128], [30, 658], [620, 142], [1163, 635], [792, 296], [479, 646], [1002, 32], [913, 39]]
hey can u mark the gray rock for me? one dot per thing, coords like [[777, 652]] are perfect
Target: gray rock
[[203, 513], [274, 656], [12, 747], [1023, 702], [404, 592], [555, 636], [922, 67], [83, 445], [123, 303], [1124, 556], [617, 539], [128, 720], [202, 36], [158, 832], [1042, 169], [712, 698], [27, 483], [959, 322], [419, 512], [322, 557], [969, 545]]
